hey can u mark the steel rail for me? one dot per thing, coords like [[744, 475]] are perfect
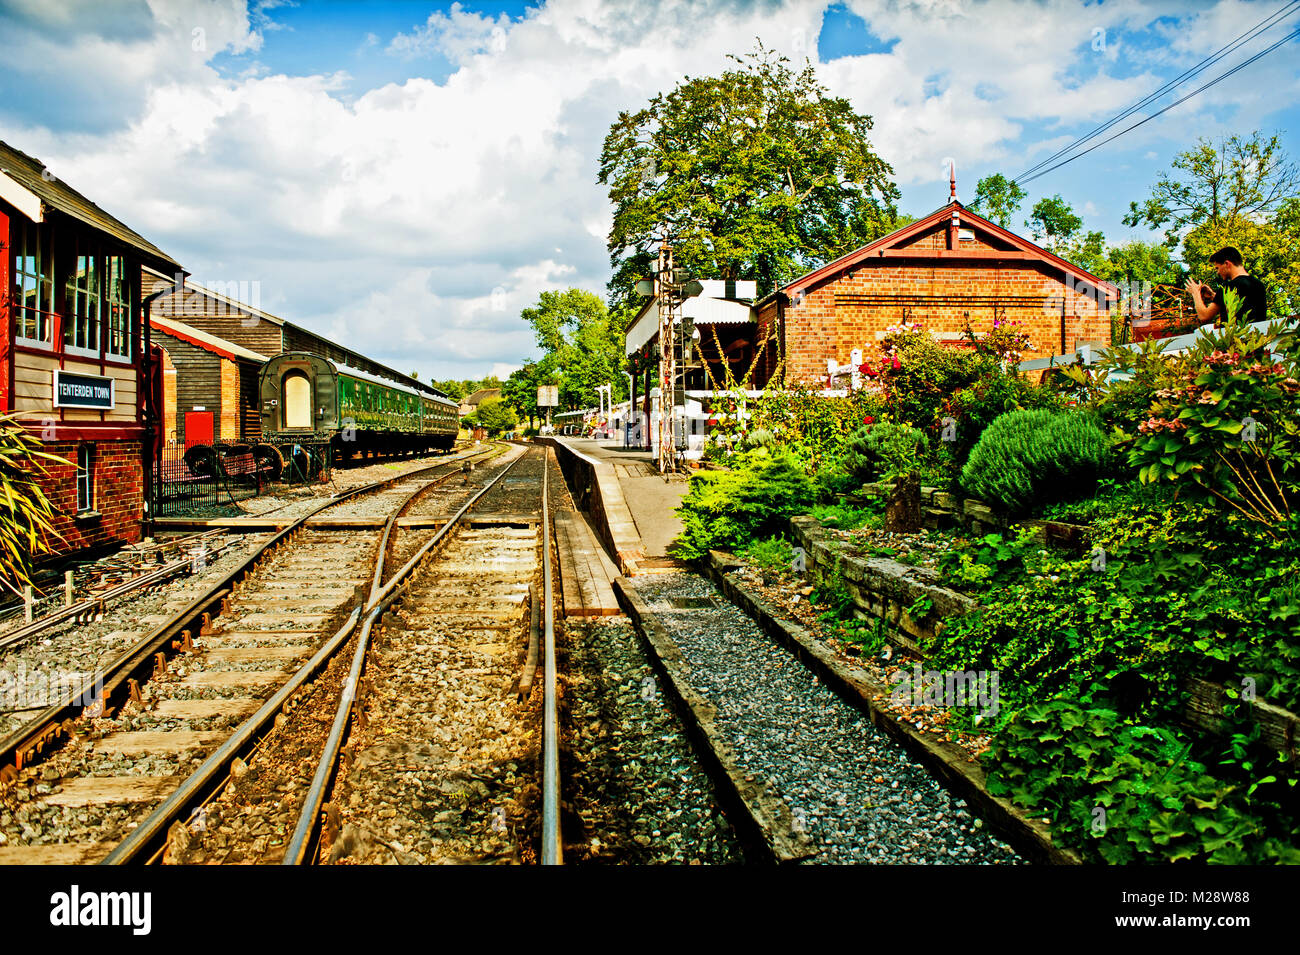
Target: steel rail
[[552, 850], [147, 840], [385, 540], [305, 833], [98, 689], [30, 630]]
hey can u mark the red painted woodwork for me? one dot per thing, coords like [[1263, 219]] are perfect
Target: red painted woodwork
[[198, 428], [6, 345]]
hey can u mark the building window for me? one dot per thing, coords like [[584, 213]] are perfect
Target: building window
[[81, 327], [33, 291], [85, 478], [117, 306]]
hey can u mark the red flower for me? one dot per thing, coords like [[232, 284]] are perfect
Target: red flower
[[895, 363], [867, 419]]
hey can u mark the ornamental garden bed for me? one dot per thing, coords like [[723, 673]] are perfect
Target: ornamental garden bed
[[1122, 552]]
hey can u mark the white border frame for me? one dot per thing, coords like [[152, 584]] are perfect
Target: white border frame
[[112, 391]]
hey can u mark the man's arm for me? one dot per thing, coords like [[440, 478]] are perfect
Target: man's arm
[[1204, 313]]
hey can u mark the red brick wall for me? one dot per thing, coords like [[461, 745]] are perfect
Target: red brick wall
[[830, 323], [119, 494]]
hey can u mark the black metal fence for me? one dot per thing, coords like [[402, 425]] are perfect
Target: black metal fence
[[209, 476]]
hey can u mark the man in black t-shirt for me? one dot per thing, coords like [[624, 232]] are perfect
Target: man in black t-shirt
[[1254, 296]]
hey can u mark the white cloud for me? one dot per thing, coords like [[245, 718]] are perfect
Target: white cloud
[[389, 220]]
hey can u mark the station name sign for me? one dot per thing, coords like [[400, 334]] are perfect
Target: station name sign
[[83, 391]]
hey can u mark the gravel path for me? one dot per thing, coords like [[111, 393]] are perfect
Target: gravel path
[[856, 793]]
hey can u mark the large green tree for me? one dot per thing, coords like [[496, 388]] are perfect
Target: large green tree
[[997, 199], [495, 416], [1239, 180], [582, 347], [753, 174], [1243, 192]]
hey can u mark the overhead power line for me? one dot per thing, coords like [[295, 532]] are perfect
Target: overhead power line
[[1165, 109], [1264, 25]]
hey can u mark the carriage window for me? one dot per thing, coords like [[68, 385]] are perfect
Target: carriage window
[[297, 400]]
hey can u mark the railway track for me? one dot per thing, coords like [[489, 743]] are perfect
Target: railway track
[[441, 739], [187, 688], [466, 585]]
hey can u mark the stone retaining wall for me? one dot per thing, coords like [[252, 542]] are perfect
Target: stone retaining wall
[[884, 589]]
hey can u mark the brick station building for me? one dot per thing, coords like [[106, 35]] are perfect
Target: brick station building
[[950, 268], [73, 356]]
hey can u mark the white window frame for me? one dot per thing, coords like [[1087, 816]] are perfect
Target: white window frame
[[85, 478], [106, 308], [73, 317], [33, 231]]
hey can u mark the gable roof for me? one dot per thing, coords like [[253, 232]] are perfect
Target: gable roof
[[1022, 246], [29, 174], [204, 340]]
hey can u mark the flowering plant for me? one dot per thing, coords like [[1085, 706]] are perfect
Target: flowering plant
[[1007, 341], [1227, 426]]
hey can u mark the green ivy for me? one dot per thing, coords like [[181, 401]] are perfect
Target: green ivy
[[1121, 792]]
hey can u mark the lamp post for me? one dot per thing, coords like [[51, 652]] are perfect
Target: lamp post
[[631, 409]]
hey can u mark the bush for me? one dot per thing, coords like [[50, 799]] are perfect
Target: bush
[[1037, 456], [847, 518], [928, 375], [1228, 429], [26, 514], [883, 450], [773, 556], [731, 508]]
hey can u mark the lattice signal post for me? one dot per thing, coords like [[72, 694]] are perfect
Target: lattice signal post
[[670, 288]]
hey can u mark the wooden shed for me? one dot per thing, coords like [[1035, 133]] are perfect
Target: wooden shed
[[209, 386]]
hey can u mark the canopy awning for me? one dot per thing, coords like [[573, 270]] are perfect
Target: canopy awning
[[700, 309]]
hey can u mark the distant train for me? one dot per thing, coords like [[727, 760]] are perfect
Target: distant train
[[305, 399]]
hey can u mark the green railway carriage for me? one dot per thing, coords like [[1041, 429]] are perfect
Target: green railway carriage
[[306, 399]]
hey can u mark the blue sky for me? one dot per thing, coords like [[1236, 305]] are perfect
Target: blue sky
[[410, 175]]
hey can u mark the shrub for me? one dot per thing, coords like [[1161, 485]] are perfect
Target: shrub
[[847, 518], [26, 515], [773, 556], [731, 508], [1036, 456], [883, 450], [1227, 429], [928, 374]]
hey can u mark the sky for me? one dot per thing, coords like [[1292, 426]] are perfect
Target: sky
[[407, 177]]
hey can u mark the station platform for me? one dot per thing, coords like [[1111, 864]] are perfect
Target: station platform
[[651, 499]]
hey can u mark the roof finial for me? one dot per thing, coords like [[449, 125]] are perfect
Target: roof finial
[[952, 180]]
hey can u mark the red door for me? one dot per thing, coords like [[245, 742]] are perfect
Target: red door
[[198, 428]]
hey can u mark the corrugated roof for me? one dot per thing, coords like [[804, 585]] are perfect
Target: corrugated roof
[[28, 171]]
